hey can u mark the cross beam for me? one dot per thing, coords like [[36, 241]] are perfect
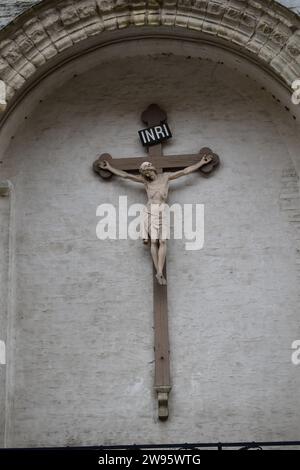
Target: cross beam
[[169, 162], [154, 116]]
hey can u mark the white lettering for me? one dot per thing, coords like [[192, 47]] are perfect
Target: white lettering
[[149, 133], [296, 354], [167, 132], [198, 234], [296, 94], [2, 353], [159, 132], [143, 137], [106, 227]]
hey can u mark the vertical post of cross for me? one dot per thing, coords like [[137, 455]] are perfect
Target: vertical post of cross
[[162, 383]]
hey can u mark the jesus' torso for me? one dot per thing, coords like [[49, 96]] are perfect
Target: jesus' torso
[[157, 190]]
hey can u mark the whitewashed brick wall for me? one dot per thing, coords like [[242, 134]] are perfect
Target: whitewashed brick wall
[[83, 365], [292, 4], [9, 9]]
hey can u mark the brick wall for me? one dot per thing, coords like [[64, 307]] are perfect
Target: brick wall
[[83, 370]]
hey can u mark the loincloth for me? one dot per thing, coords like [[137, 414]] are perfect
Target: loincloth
[[155, 222]]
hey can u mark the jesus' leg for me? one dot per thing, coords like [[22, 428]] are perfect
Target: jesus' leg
[[162, 251], [154, 253]]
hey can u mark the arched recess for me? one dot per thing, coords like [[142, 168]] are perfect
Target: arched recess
[[64, 174]]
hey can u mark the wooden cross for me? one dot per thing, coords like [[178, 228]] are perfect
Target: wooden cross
[[154, 116]]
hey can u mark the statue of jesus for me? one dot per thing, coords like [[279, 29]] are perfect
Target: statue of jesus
[[157, 187]]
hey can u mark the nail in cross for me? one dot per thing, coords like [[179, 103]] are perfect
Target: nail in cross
[[156, 184]]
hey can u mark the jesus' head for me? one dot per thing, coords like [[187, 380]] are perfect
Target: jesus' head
[[148, 171]]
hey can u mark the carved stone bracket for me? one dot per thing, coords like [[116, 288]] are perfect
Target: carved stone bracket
[[163, 401]]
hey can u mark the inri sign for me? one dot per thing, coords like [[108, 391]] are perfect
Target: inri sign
[[155, 135]]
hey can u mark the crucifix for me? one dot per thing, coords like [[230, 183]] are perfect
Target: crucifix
[[156, 182]]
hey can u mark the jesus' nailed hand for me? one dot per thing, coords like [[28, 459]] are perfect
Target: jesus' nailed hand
[[157, 186]]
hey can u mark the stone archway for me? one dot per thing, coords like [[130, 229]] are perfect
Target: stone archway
[[50, 32]]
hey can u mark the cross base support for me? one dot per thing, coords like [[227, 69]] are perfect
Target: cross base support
[[163, 401]]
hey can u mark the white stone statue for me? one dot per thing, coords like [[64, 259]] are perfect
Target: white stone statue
[[157, 187]]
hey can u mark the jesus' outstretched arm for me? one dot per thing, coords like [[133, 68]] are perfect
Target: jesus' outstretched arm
[[190, 169], [104, 165]]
